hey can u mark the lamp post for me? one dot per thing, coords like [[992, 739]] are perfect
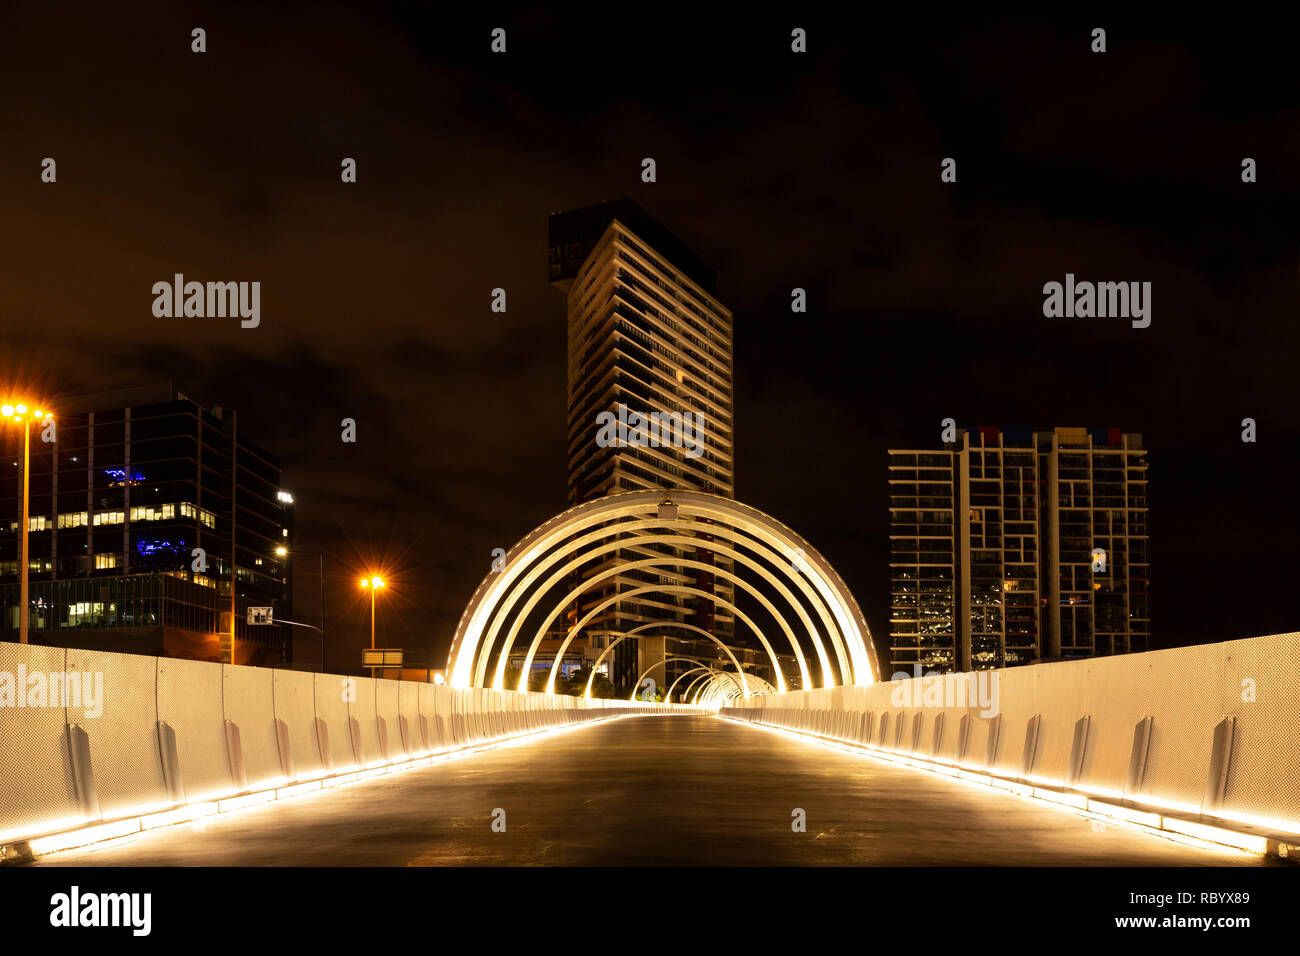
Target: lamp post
[[17, 413], [372, 584], [282, 552]]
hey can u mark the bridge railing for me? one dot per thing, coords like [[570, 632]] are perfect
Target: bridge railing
[[1207, 730], [88, 737]]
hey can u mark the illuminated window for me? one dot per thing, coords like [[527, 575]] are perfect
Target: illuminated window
[[206, 517], [103, 561], [153, 512], [84, 613], [109, 517], [39, 523], [77, 519]]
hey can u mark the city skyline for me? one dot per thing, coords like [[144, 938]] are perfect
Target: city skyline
[[925, 298]]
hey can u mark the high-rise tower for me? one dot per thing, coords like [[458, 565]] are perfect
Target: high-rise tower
[[645, 335], [1009, 547]]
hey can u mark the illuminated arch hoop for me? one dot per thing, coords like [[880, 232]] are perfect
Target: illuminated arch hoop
[[811, 607]]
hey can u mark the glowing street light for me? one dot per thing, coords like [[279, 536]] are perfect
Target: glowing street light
[[16, 412], [282, 551], [372, 584]]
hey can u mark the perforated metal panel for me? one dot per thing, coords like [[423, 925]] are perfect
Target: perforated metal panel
[[1264, 772], [330, 692], [248, 701], [124, 751], [408, 707], [362, 713], [1187, 692], [295, 707], [386, 710], [189, 701], [36, 785]]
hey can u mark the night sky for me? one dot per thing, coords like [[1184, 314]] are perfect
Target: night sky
[[819, 171]]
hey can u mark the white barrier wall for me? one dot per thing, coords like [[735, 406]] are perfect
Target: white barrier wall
[[436, 721], [123, 740], [361, 716], [295, 715], [409, 736], [37, 781], [248, 699], [333, 730], [190, 707], [1211, 729], [153, 733]]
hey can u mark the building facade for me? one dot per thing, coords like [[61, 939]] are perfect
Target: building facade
[[646, 335], [1010, 546], [152, 522]]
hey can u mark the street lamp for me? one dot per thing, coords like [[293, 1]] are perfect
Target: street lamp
[[17, 413], [372, 584], [282, 551]]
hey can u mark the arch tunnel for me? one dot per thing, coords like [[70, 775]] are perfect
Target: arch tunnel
[[540, 602]]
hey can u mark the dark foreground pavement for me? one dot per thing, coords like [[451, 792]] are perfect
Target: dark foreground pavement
[[652, 791]]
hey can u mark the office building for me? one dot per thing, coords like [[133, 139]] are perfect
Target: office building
[[1011, 546], [145, 512]]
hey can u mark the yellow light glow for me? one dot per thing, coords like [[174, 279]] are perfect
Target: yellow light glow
[[72, 832], [365, 582], [7, 410], [282, 551], [21, 409], [377, 582]]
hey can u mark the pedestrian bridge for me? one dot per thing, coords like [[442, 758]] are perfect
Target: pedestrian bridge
[[1081, 761], [1197, 742]]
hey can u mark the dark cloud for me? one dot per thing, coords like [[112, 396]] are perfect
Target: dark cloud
[[819, 172]]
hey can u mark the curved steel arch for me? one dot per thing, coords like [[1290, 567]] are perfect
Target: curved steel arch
[[722, 688], [683, 589], [668, 696], [648, 589], [663, 663], [713, 515], [627, 528], [710, 675], [667, 561], [645, 627], [658, 563]]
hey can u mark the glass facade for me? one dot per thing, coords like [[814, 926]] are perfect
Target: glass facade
[[138, 514], [1014, 547], [644, 332]]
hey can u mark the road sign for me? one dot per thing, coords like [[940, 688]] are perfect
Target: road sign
[[261, 615], [382, 657]]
